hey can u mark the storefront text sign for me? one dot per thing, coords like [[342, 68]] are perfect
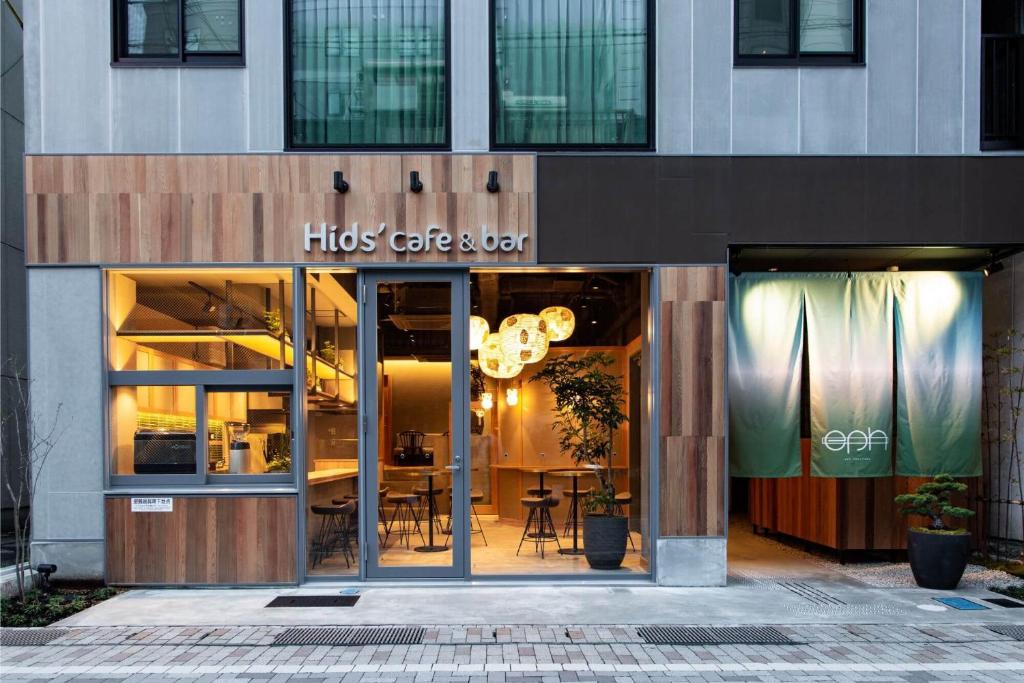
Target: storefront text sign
[[152, 505], [329, 239]]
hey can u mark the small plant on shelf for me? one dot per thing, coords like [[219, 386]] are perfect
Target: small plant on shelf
[[328, 353], [272, 321], [932, 500]]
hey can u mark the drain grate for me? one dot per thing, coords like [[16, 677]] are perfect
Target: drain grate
[[314, 601], [13, 637], [1013, 631], [717, 635], [382, 635], [1004, 602]]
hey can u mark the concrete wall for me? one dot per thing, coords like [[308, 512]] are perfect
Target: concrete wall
[[67, 386], [918, 94]]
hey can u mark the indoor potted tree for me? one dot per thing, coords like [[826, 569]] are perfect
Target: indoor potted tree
[[938, 554], [588, 409]]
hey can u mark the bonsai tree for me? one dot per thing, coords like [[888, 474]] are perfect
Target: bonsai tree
[[588, 409], [932, 500]]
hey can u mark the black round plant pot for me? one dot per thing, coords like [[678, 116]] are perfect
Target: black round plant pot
[[938, 560], [604, 540]]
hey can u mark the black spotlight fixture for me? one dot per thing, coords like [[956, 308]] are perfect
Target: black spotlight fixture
[[340, 184], [45, 570], [492, 182], [415, 184], [993, 268]]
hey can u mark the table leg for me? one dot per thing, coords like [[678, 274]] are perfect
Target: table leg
[[431, 514], [575, 549]]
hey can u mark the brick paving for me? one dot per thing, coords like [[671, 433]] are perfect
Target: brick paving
[[494, 654]]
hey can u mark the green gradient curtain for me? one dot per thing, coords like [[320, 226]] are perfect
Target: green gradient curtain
[[939, 373], [368, 72], [849, 351], [765, 351], [570, 72]]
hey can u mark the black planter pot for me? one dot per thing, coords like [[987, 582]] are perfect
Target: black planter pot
[[604, 540], [938, 560]]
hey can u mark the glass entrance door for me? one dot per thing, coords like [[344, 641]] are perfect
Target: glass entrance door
[[415, 344]]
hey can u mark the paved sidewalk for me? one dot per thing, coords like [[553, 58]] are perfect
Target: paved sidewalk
[[493, 654]]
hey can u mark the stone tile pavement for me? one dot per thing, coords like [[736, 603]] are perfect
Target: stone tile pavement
[[493, 654]]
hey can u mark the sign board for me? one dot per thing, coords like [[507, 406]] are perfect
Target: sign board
[[152, 504]]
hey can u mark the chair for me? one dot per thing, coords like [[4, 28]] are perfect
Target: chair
[[539, 526], [334, 532], [622, 501], [570, 519], [405, 515]]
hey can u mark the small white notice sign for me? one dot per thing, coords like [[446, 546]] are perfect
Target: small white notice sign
[[152, 504]]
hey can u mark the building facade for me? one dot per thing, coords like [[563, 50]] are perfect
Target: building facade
[[202, 177]]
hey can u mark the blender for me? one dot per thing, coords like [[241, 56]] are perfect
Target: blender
[[239, 450]]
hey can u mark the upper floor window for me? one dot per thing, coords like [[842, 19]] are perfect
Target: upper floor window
[[799, 32], [1002, 74], [368, 73], [178, 32], [571, 74]]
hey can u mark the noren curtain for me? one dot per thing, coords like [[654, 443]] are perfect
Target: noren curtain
[[849, 355], [368, 72], [939, 374], [570, 72], [766, 344]]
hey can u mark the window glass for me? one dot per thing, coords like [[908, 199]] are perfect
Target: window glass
[[826, 25], [570, 72], [200, 320], [249, 432], [763, 27], [151, 27], [153, 430], [368, 72], [211, 26]]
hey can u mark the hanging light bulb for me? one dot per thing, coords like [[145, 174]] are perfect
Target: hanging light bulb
[[511, 396], [560, 321], [486, 400], [478, 331], [493, 362], [524, 337]]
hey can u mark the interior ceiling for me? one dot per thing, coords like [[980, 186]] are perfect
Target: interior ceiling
[[760, 258]]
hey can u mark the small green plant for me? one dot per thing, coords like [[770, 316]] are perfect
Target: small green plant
[[601, 500], [476, 379], [272, 320], [932, 500], [327, 352], [41, 608]]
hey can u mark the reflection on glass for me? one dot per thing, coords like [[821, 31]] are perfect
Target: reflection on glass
[[200, 320], [211, 26], [414, 402], [763, 27], [570, 72], [368, 73], [332, 433], [153, 430], [249, 432], [152, 27], [826, 25]]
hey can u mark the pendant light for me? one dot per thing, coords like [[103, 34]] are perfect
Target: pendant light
[[560, 321], [486, 400], [493, 362], [512, 396], [524, 337], [478, 331]]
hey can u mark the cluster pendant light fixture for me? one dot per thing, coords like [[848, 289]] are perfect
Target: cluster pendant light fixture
[[521, 339]]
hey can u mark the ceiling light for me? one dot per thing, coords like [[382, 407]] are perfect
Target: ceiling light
[[493, 362], [524, 338], [511, 396], [478, 331], [486, 400], [560, 321]]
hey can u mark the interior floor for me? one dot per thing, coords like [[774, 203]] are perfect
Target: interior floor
[[496, 557]]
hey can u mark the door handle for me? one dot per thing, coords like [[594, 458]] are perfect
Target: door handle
[[456, 464]]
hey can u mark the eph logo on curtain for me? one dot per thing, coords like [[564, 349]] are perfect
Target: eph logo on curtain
[[855, 440]]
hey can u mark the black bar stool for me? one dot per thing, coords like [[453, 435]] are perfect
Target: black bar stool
[[539, 526], [333, 533], [622, 501], [475, 497], [423, 509], [570, 519], [404, 513]]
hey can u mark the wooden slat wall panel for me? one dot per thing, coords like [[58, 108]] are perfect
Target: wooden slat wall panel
[[693, 352], [252, 208], [204, 540]]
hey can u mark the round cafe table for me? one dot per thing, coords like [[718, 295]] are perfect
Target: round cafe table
[[575, 474], [432, 513]]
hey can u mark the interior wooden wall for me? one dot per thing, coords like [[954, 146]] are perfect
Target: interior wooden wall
[[252, 208], [204, 540], [692, 409], [842, 514]]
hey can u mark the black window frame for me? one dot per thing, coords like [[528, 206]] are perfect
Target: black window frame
[[291, 146], [119, 47], [795, 58], [650, 62]]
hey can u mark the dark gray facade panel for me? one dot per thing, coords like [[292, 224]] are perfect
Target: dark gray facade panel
[[661, 209]]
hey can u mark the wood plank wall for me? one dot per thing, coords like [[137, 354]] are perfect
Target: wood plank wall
[[204, 540], [252, 208], [692, 409]]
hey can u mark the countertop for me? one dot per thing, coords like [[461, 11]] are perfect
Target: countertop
[[333, 474]]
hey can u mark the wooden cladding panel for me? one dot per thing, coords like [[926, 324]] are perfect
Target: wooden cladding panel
[[252, 208], [692, 408], [204, 540]]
